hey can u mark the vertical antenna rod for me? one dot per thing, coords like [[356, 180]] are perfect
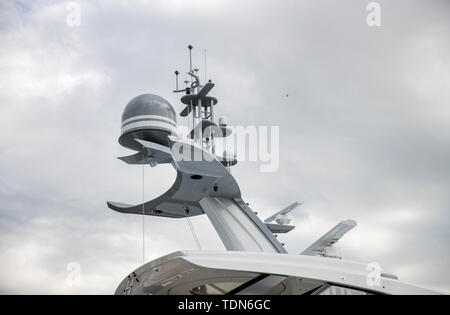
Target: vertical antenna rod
[[143, 212], [206, 75], [190, 57], [176, 76]]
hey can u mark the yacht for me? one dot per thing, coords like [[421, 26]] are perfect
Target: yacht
[[255, 262]]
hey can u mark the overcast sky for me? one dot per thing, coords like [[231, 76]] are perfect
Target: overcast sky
[[365, 130]]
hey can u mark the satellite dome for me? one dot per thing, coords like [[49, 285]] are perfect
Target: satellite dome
[[147, 117], [223, 121]]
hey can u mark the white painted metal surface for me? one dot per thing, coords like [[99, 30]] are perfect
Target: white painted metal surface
[[180, 272], [236, 230], [323, 246]]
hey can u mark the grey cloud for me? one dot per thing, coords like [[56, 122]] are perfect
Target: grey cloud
[[364, 131]]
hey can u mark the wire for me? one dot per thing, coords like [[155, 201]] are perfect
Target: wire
[[191, 226], [206, 74], [143, 211]]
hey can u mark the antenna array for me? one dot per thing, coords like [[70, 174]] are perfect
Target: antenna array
[[200, 111]]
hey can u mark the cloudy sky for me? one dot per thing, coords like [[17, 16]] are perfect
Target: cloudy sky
[[365, 131]]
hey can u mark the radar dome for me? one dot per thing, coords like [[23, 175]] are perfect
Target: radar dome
[[147, 117]]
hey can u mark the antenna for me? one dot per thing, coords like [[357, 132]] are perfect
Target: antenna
[[197, 78], [281, 217], [199, 111], [324, 245], [176, 76], [206, 75], [190, 57]]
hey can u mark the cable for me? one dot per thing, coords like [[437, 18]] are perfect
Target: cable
[[191, 226], [206, 74], [143, 211]]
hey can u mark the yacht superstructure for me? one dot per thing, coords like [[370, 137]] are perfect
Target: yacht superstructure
[[254, 262]]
